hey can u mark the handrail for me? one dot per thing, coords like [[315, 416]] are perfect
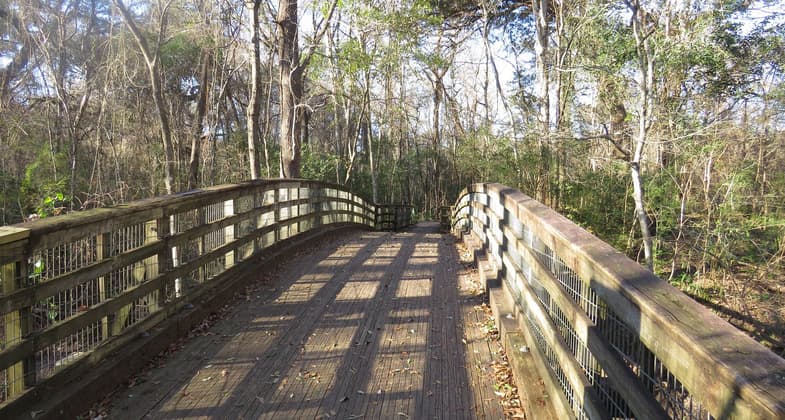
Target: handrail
[[394, 216], [616, 340], [76, 286]]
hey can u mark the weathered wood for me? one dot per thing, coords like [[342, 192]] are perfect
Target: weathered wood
[[157, 266], [508, 317], [698, 348], [28, 296], [330, 334], [10, 234], [14, 243], [641, 402], [12, 325]]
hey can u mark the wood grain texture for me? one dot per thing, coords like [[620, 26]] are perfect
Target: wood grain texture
[[724, 369], [375, 325]]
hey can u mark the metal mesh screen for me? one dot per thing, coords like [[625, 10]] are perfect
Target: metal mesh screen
[[655, 377]]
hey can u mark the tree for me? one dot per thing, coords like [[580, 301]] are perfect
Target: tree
[[254, 97], [292, 69], [642, 28], [152, 60]]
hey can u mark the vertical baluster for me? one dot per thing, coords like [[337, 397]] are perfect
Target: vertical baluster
[[16, 323], [103, 250], [229, 232], [155, 301]]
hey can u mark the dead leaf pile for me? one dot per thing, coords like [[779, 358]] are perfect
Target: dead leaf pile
[[504, 384]]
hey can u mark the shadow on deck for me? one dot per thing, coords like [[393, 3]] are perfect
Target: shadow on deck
[[361, 325]]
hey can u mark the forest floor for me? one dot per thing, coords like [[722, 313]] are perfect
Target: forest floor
[[752, 300]]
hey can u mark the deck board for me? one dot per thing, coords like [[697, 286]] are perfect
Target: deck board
[[367, 325]]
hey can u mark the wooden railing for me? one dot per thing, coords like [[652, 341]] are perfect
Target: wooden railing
[[445, 218], [394, 216], [75, 287], [610, 339]]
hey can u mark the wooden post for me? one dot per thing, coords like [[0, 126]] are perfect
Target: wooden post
[[316, 206], [201, 220], [11, 242], [102, 251], [174, 257], [277, 215], [294, 211], [164, 257], [229, 232], [151, 265]]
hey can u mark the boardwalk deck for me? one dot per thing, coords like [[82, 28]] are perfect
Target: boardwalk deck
[[369, 325]]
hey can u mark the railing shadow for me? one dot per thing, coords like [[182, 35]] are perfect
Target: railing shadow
[[400, 302]]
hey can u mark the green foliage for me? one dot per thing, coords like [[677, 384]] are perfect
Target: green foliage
[[318, 165], [44, 189], [483, 157], [179, 51], [597, 200], [354, 58], [9, 198]]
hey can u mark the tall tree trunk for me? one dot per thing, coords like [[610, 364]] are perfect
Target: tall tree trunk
[[541, 12], [642, 32], [292, 84], [197, 133], [254, 99], [291, 88], [371, 163]]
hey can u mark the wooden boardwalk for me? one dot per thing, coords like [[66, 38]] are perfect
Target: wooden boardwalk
[[366, 325]]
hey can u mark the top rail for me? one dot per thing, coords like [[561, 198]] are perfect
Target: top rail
[[80, 284], [617, 341]]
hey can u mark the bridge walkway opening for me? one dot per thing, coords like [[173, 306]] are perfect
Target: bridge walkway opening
[[360, 325]]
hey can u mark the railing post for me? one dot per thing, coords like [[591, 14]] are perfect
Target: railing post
[[16, 323], [102, 251], [229, 233], [315, 198], [151, 263], [277, 214], [164, 258], [201, 220]]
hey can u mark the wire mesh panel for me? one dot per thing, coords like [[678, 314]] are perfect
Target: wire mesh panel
[[503, 235], [138, 260]]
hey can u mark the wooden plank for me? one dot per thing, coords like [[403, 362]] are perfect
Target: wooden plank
[[640, 400], [557, 401], [12, 326], [13, 251], [323, 320], [74, 324], [29, 296], [10, 234], [46, 233], [702, 358], [566, 360]]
